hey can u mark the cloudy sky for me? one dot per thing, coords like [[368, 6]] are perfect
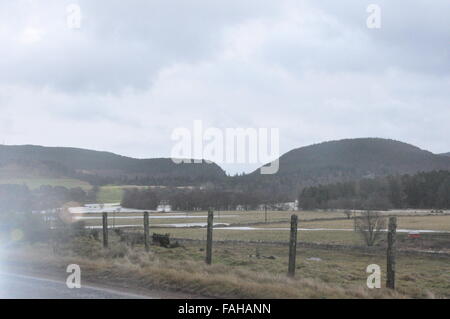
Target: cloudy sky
[[136, 70]]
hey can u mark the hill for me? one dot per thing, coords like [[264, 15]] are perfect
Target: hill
[[344, 160], [99, 167], [446, 154], [324, 163]]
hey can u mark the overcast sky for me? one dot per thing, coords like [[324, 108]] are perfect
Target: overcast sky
[[136, 70]]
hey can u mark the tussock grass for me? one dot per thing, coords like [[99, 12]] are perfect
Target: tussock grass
[[183, 270]]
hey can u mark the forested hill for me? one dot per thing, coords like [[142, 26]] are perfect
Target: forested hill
[[422, 190], [361, 156], [446, 154], [323, 163], [344, 160], [100, 167]]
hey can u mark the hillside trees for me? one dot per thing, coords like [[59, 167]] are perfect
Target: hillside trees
[[422, 190]]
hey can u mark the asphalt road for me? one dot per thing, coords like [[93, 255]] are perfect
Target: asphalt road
[[14, 286]]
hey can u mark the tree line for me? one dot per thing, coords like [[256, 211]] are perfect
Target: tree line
[[422, 190], [194, 199]]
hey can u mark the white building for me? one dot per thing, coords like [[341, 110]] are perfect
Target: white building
[[164, 206], [103, 206]]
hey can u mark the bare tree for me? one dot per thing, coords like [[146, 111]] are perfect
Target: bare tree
[[348, 213], [370, 225]]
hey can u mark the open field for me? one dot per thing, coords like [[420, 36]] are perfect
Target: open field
[[407, 222], [34, 183], [316, 236], [326, 237], [234, 217], [275, 219], [113, 193], [314, 227]]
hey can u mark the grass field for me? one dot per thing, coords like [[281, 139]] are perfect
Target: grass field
[[260, 231], [326, 237], [237, 272], [277, 219], [246, 217], [113, 193], [404, 222], [34, 183]]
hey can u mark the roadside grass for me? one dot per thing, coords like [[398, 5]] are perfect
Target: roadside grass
[[236, 272], [36, 182]]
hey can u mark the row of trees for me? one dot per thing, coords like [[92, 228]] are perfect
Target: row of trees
[[422, 190], [193, 199]]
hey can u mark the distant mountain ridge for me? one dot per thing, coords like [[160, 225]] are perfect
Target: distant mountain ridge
[[348, 159], [323, 163], [372, 155], [446, 154], [104, 166]]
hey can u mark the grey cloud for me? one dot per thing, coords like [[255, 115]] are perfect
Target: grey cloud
[[119, 45], [137, 70]]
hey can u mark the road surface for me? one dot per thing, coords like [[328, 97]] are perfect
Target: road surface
[[15, 286]]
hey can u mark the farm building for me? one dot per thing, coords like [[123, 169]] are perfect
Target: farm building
[[164, 206]]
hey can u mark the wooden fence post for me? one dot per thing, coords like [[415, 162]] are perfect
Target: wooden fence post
[[265, 213], [105, 230], [146, 232], [391, 250], [293, 246], [209, 237]]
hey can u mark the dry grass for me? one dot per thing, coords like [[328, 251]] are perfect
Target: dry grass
[[234, 274]]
